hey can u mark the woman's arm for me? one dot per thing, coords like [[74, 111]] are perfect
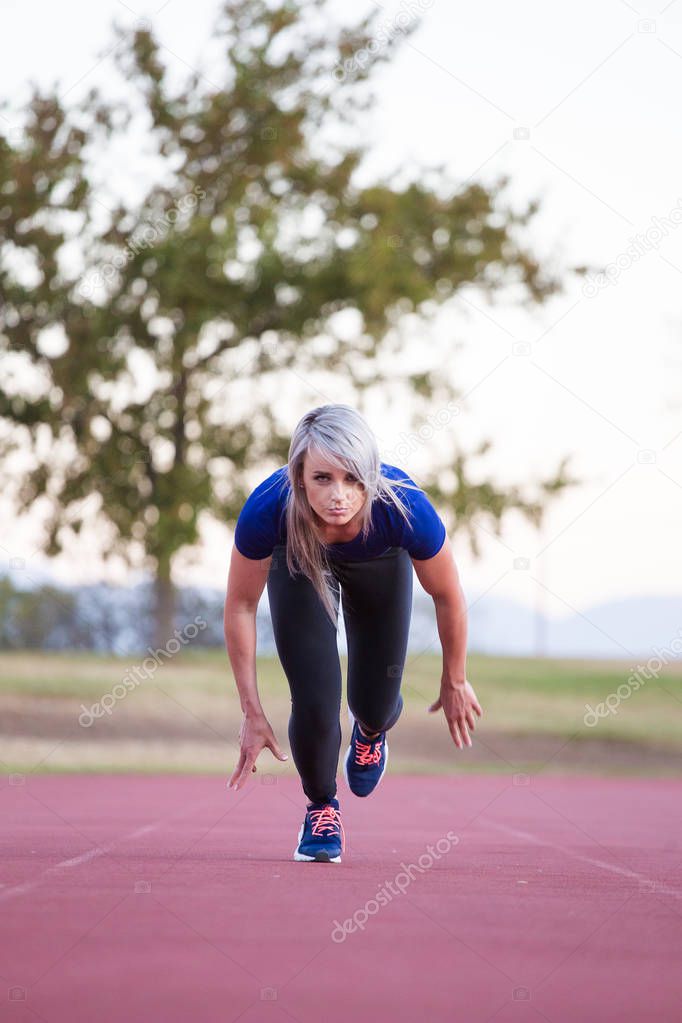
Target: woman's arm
[[246, 582], [439, 577]]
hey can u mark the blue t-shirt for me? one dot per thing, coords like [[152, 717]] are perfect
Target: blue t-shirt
[[262, 523]]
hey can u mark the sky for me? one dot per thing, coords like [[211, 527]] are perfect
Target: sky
[[578, 105]]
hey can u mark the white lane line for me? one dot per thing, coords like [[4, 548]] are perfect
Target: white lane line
[[656, 886], [91, 854]]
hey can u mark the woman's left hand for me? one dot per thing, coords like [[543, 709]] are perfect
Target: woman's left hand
[[459, 704]]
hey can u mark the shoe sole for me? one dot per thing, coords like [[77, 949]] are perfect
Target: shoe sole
[[320, 857], [347, 757]]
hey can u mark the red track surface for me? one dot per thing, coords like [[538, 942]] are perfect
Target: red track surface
[[561, 900]]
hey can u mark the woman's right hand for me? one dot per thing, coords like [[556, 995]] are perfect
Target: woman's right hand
[[254, 735]]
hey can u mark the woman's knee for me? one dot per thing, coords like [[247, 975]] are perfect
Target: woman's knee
[[317, 716], [373, 719]]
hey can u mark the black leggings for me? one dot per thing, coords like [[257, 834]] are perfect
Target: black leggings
[[377, 605]]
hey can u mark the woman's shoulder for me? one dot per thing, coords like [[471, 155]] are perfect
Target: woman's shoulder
[[259, 525], [272, 489], [401, 479], [425, 532], [392, 471]]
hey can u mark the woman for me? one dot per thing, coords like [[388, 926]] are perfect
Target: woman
[[336, 518]]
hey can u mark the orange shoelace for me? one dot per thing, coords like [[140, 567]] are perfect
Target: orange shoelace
[[364, 754], [327, 819]]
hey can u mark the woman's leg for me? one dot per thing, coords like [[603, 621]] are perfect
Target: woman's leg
[[377, 607], [306, 643]]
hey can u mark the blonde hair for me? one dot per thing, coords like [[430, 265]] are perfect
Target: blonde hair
[[343, 438]]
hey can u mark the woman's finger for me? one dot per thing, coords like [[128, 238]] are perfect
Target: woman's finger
[[274, 747], [247, 763], [237, 771], [455, 734], [245, 773]]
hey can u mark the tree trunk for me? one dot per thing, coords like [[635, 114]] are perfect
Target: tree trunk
[[165, 603]]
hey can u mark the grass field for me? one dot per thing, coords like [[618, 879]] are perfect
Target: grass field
[[184, 715]]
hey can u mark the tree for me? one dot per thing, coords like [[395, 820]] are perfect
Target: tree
[[197, 306], [39, 619]]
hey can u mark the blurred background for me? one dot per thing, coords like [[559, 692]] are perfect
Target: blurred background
[[462, 222]]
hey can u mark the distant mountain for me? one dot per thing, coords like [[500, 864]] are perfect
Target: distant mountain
[[632, 627]]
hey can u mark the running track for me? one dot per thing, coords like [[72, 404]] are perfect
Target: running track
[[169, 898]]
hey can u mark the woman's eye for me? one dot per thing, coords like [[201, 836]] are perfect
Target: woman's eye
[[324, 479]]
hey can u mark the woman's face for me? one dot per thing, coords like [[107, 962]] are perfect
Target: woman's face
[[328, 488]]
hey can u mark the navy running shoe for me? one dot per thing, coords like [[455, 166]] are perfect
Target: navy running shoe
[[321, 838], [365, 761]]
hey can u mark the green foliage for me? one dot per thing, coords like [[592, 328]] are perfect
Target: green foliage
[[194, 306], [37, 619]]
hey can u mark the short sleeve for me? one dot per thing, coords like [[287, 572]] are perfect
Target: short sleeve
[[425, 535], [251, 540], [256, 531]]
